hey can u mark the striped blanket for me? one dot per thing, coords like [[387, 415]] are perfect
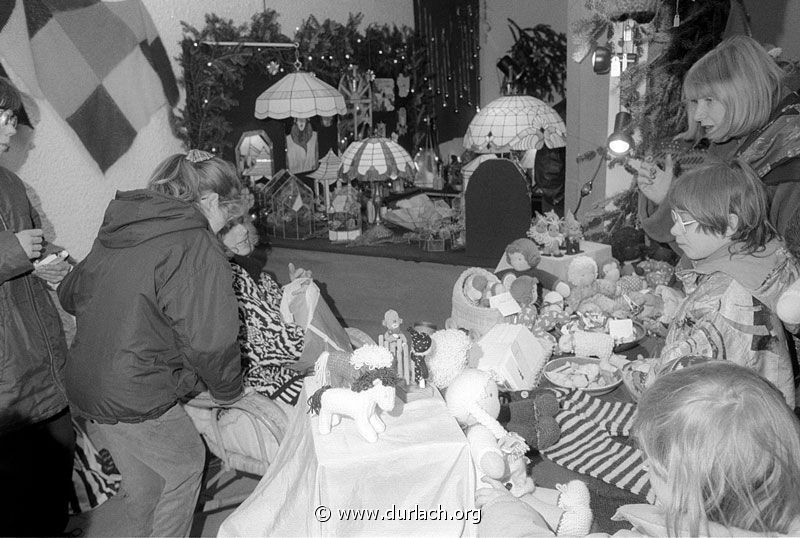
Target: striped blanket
[[594, 441]]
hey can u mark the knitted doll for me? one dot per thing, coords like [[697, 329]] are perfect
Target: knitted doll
[[472, 398], [522, 255], [421, 346]]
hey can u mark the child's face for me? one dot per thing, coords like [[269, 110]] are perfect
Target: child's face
[[696, 243], [8, 128], [237, 239]]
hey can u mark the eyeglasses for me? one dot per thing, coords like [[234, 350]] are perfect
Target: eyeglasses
[[8, 117], [682, 224]]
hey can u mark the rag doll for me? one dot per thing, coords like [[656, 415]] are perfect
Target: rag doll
[[524, 292], [522, 257]]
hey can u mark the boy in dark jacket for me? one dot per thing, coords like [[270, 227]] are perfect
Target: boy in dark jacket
[[36, 436]]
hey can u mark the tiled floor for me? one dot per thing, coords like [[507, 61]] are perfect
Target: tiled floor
[[107, 519]]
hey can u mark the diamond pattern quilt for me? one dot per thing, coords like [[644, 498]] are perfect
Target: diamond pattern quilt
[[100, 64]]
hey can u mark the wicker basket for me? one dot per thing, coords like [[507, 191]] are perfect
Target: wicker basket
[[476, 319]]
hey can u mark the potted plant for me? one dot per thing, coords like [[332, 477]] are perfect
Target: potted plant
[[541, 54]]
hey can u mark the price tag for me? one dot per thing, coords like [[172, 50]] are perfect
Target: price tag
[[620, 328], [505, 303]]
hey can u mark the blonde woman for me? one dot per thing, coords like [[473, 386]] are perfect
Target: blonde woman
[[737, 99]]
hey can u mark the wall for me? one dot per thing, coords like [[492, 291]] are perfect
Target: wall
[[66, 185], [496, 38]]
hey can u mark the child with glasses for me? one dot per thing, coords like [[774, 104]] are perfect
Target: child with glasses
[[723, 455], [736, 267]]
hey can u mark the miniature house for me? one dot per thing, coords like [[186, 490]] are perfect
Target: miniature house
[[286, 207], [254, 154], [513, 354]]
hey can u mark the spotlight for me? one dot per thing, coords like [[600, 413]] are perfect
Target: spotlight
[[509, 67], [621, 142], [601, 60], [512, 73]]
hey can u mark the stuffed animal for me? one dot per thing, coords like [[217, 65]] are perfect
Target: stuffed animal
[[538, 230], [475, 288], [524, 292], [449, 356], [788, 308], [534, 418], [522, 255], [573, 234], [421, 346], [374, 390], [472, 398], [582, 276]]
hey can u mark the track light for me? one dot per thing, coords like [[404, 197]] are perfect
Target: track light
[[621, 142], [601, 60]]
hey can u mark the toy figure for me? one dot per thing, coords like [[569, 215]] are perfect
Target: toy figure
[[522, 255], [361, 403], [392, 321], [372, 387], [523, 290], [573, 234], [397, 344], [538, 230], [552, 246], [472, 398], [421, 345]]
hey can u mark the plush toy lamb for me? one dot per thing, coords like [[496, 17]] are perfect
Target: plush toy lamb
[[472, 398]]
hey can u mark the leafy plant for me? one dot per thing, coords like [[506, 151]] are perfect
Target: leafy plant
[[541, 52]]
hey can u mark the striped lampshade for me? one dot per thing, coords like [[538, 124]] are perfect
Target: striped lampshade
[[376, 159], [299, 95]]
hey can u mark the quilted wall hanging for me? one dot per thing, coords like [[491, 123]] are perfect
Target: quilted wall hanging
[[101, 66]]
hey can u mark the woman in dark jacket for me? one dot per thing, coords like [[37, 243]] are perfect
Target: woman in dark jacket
[[156, 320], [738, 100], [36, 438]]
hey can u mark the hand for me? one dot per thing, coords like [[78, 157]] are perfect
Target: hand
[[298, 272], [652, 180], [54, 272], [31, 242], [488, 495]]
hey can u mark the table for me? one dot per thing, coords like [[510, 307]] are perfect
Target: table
[[362, 283], [422, 460]]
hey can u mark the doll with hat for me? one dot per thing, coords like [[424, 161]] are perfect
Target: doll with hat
[[522, 257]]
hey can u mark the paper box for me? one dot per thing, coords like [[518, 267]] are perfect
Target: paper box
[[513, 354]]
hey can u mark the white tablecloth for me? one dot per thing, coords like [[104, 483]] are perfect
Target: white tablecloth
[[420, 463]]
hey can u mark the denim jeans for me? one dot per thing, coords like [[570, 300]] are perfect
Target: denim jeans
[[161, 462]]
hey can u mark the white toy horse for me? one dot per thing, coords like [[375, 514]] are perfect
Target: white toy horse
[[361, 406]]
